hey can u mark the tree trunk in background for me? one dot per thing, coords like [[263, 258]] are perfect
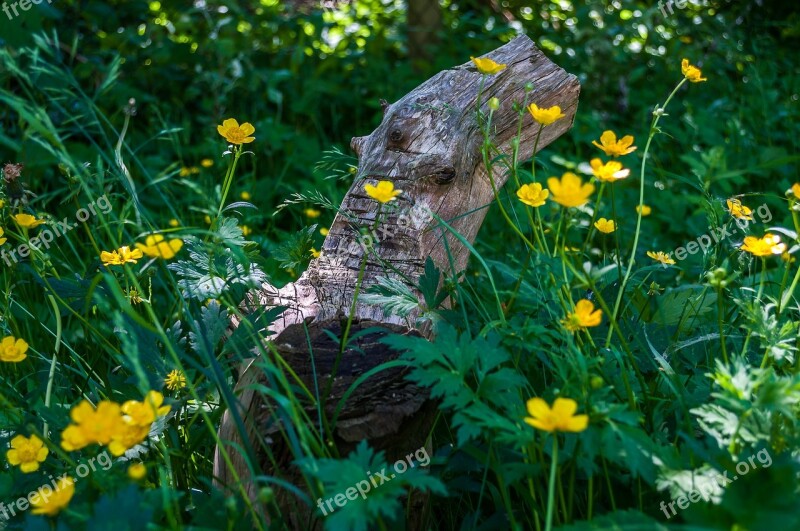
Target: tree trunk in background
[[429, 146], [424, 22]]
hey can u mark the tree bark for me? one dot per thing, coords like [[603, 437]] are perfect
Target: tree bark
[[429, 146]]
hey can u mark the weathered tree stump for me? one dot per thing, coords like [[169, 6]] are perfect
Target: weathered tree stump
[[429, 146]]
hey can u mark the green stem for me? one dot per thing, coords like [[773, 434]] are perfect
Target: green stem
[[51, 376], [346, 334], [761, 283], [720, 314], [632, 259], [237, 152], [551, 487], [788, 295], [594, 215], [490, 174]]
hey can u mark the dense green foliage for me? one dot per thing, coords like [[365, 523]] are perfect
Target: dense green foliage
[[699, 371]]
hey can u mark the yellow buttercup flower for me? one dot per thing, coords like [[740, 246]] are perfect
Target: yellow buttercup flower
[[661, 256], [27, 453], [487, 66], [691, 72], [312, 213], [106, 425], [13, 350], [155, 246], [769, 245], [613, 147], [111, 258], [127, 436], [246, 231], [175, 380], [206, 163], [738, 210], [235, 133], [26, 221], [245, 196], [605, 226], [796, 190], [174, 223], [583, 316], [92, 425], [561, 417], [609, 172], [137, 471], [324, 231], [533, 194], [383, 192], [645, 210], [570, 191], [57, 500], [185, 172], [545, 116], [147, 411], [315, 253], [121, 256], [2, 240]]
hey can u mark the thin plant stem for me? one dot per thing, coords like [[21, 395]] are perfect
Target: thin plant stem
[[551, 487], [632, 260], [51, 375], [720, 315]]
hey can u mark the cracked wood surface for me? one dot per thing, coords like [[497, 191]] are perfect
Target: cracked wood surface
[[429, 145]]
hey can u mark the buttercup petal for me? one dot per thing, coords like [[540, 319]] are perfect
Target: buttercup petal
[[608, 137], [564, 407], [13, 457], [577, 423], [537, 407], [30, 466]]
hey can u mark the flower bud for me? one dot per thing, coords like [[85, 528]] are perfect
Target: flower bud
[[494, 104], [717, 278], [266, 495]]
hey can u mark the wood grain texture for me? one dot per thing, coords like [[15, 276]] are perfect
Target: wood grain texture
[[429, 146]]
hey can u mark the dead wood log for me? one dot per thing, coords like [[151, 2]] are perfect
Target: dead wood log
[[429, 146]]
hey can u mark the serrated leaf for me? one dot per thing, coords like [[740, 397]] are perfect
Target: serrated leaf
[[297, 249], [392, 295]]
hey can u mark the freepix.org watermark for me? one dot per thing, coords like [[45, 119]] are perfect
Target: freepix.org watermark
[[664, 6], [374, 481], [718, 234], [48, 489], [48, 235], [414, 217], [712, 489], [21, 5]]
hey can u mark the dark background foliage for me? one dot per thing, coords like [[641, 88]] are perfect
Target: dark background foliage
[[310, 78]]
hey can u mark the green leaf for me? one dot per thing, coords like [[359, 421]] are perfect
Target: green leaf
[[296, 251], [395, 297], [382, 485], [470, 378]]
